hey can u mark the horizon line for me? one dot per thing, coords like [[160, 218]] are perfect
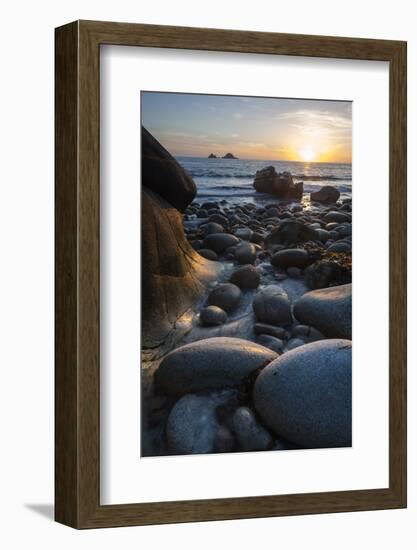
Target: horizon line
[[265, 160]]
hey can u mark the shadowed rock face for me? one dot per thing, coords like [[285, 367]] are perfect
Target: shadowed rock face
[[162, 174], [174, 276], [326, 195], [267, 180]]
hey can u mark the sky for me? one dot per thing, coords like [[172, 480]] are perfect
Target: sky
[[250, 127]]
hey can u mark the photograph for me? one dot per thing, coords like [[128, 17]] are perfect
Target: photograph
[[190, 197], [246, 274]]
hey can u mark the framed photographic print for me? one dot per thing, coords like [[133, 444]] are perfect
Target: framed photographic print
[[230, 274]]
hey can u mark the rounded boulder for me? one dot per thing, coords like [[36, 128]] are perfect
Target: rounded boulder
[[208, 254], [328, 309], [305, 396], [226, 296], [211, 228], [291, 257], [192, 425], [272, 306], [250, 435], [219, 241], [212, 316], [246, 277], [340, 247], [245, 253], [210, 364]]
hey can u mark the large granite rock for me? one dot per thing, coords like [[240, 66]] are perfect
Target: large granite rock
[[210, 364], [305, 396], [174, 275], [281, 185], [329, 310], [162, 174]]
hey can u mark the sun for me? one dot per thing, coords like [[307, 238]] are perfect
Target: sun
[[307, 154]]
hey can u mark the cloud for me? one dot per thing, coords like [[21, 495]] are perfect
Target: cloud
[[175, 134], [315, 120], [253, 145], [238, 115]]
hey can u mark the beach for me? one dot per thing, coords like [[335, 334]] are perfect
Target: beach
[[248, 366]]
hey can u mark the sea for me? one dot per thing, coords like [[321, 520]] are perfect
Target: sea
[[232, 179]]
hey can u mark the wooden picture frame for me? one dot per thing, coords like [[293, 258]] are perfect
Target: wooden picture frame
[[77, 372]]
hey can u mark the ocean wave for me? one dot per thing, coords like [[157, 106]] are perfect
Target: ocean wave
[[212, 193], [203, 174], [236, 175], [341, 188], [226, 187], [248, 192], [320, 178]]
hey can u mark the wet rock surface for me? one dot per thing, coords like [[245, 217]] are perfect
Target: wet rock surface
[[271, 305], [305, 396], [219, 241], [213, 316], [210, 364], [329, 310], [250, 434], [225, 296], [246, 277], [193, 427]]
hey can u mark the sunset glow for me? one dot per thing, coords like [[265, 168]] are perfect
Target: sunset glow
[[250, 127], [307, 154]]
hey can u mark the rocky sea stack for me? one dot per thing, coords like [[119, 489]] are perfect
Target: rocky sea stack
[[281, 185], [229, 156]]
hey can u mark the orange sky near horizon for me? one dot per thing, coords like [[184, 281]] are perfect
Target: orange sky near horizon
[[250, 127]]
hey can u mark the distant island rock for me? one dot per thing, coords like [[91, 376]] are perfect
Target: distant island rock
[[212, 156], [229, 156]]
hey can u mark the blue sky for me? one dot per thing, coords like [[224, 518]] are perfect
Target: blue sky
[[250, 127]]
